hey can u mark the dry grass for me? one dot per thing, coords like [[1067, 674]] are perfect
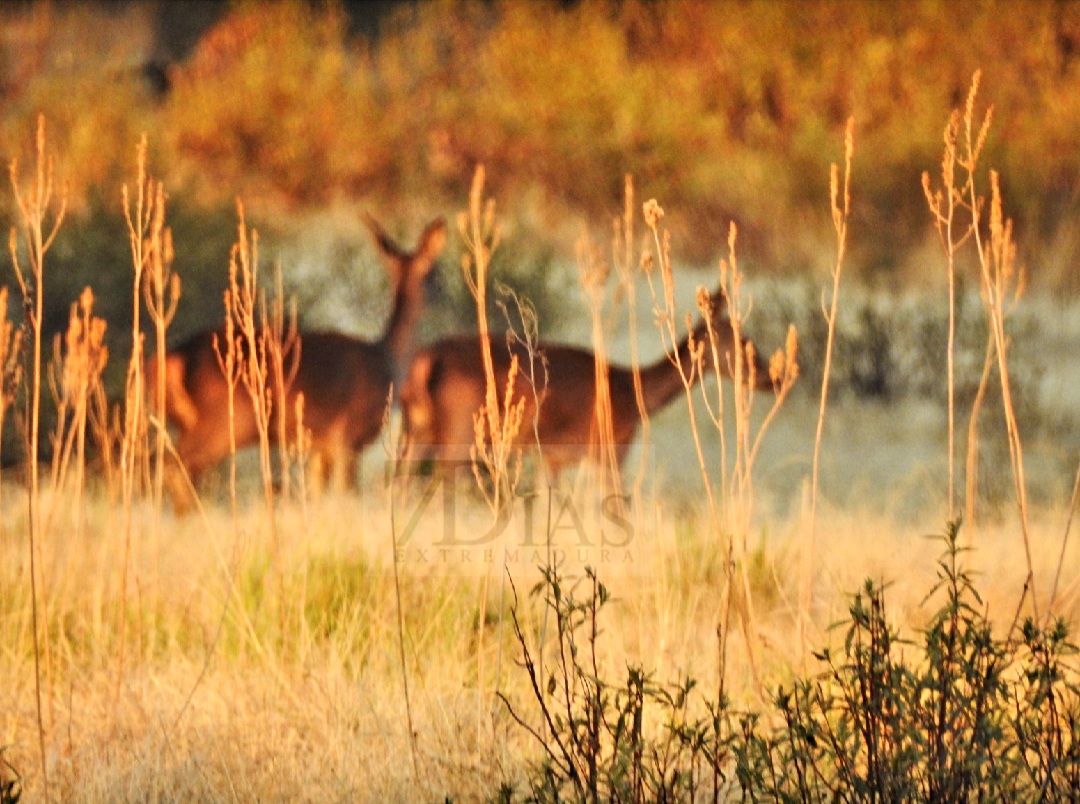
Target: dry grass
[[218, 702]]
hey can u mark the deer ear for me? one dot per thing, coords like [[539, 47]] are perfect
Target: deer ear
[[383, 242], [433, 239], [719, 302]]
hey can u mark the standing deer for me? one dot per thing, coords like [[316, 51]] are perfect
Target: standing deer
[[345, 381], [446, 385]]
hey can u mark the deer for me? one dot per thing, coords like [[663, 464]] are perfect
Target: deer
[[345, 381], [446, 386]]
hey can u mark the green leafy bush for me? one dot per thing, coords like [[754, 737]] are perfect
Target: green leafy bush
[[958, 714], [600, 738]]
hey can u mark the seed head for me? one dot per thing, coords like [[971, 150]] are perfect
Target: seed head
[[751, 364], [654, 213], [704, 301]]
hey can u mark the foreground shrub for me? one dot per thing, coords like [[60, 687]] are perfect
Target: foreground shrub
[[639, 740], [959, 714]]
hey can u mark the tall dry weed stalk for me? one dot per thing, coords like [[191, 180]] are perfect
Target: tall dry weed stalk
[[11, 368], [1001, 283], [79, 359], [227, 352], [593, 275], [733, 513], [40, 217], [498, 422], [664, 311], [161, 292], [142, 463], [262, 351], [1073, 500], [739, 487], [840, 205], [283, 346], [783, 373], [622, 257], [301, 450], [151, 255], [947, 204], [523, 328], [241, 305], [944, 205], [735, 507], [145, 215], [394, 452]]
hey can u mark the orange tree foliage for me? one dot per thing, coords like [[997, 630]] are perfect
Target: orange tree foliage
[[730, 109]]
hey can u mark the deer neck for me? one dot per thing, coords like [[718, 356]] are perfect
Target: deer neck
[[661, 381], [399, 338]]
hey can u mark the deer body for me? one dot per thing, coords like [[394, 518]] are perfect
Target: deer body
[[446, 387], [345, 381]]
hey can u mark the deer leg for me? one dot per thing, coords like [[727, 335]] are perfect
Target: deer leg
[[454, 433], [198, 449], [339, 469], [180, 489], [317, 471]]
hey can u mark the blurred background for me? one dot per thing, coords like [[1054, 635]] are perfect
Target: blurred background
[[724, 110]]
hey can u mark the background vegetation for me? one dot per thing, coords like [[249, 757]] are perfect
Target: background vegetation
[[730, 107], [311, 111]]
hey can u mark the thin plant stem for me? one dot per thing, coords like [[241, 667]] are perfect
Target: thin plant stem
[[840, 223], [32, 209], [999, 277], [11, 373], [623, 259], [1064, 543], [971, 466], [399, 609], [593, 277]]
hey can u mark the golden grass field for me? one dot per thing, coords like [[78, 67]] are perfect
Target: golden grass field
[[236, 684]]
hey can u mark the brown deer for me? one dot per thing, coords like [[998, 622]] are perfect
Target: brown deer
[[345, 381], [446, 385]]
